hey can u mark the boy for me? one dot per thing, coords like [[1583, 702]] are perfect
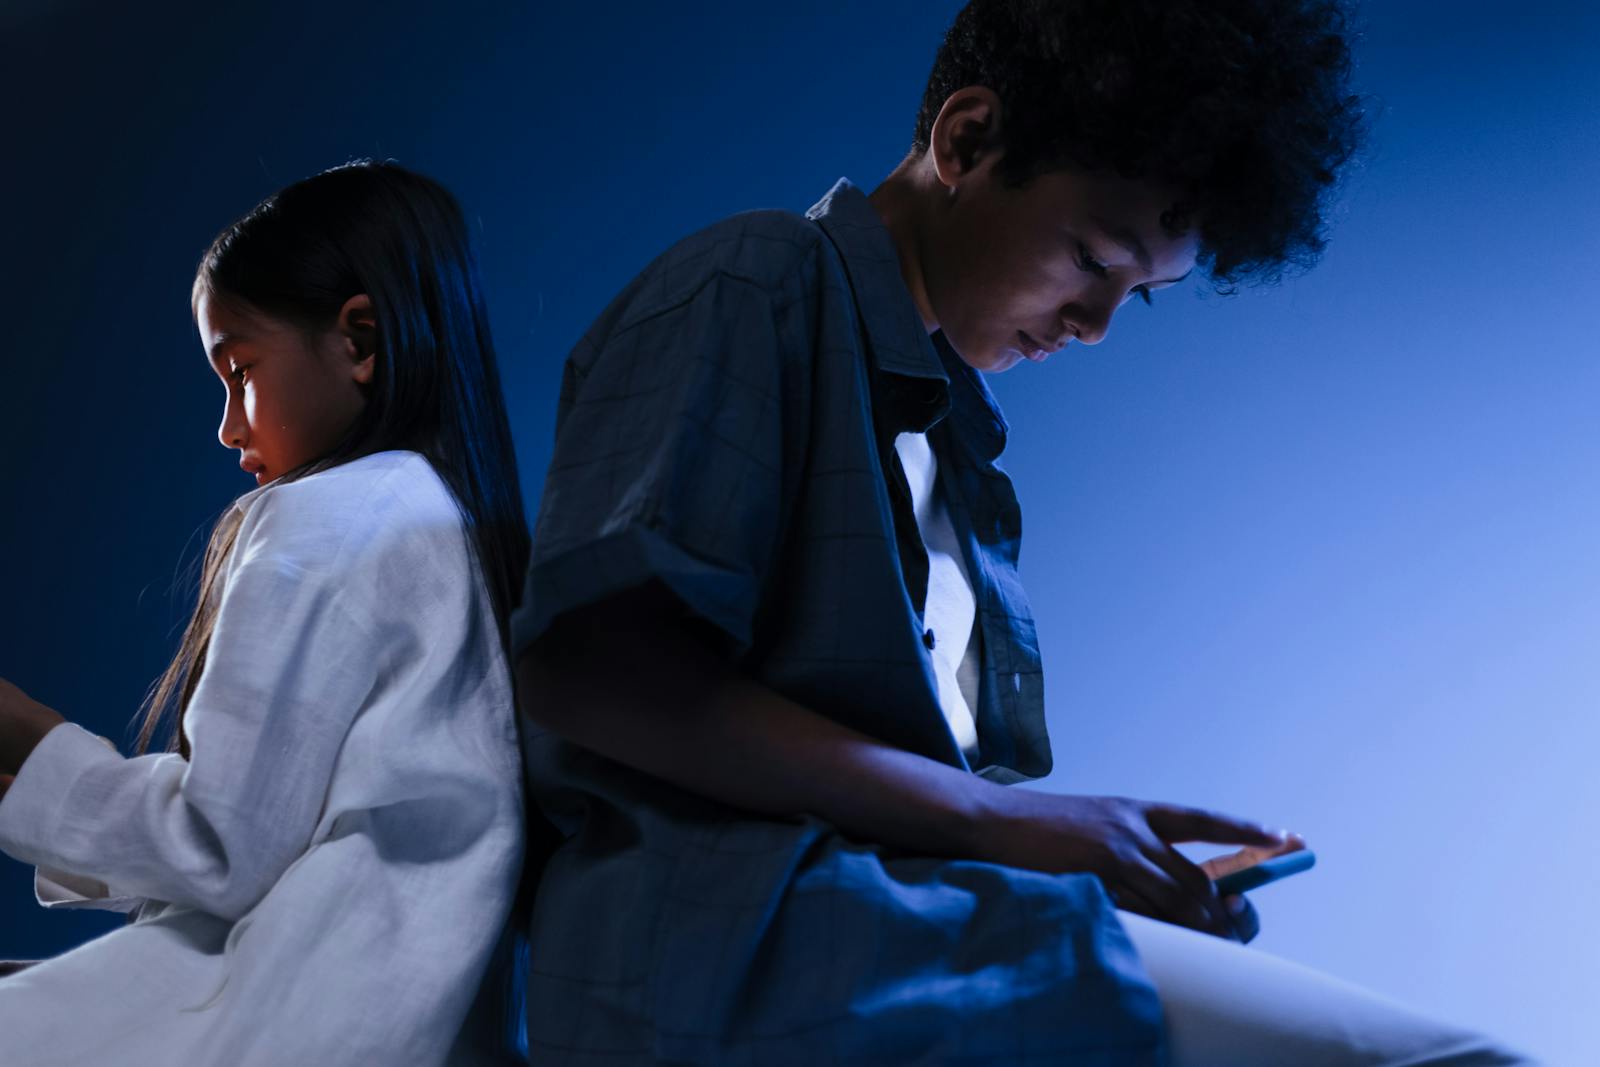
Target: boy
[[773, 647]]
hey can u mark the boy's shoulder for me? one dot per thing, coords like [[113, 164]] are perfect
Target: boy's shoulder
[[770, 249]]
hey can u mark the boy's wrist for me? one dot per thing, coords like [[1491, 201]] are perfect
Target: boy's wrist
[[981, 818]]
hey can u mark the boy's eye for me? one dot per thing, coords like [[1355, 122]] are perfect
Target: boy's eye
[[238, 373], [1087, 261]]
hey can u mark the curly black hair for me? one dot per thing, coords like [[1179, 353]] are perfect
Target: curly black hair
[[1244, 105]]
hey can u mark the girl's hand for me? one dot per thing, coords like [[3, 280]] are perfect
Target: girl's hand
[[1128, 843], [23, 724]]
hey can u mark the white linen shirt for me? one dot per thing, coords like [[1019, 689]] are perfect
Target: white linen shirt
[[324, 879]]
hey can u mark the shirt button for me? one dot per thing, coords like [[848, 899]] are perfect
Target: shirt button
[[1016, 682], [927, 638]]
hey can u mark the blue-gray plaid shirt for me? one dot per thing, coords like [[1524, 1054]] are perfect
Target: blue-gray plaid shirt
[[726, 428]]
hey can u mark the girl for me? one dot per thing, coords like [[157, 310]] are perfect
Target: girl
[[321, 865]]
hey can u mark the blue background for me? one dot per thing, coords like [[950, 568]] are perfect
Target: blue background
[[1322, 555]]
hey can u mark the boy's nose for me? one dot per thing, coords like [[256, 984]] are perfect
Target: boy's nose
[[1090, 321]]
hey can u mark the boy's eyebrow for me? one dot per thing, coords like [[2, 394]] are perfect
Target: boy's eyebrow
[[222, 341], [1130, 241]]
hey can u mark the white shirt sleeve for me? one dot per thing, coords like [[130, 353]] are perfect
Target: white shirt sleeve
[[288, 668], [341, 851], [63, 889]]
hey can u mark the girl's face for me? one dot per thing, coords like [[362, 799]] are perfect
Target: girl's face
[[291, 396]]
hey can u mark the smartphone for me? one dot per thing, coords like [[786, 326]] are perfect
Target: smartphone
[[1252, 868]]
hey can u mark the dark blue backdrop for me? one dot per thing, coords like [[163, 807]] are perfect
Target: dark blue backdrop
[[1323, 556]]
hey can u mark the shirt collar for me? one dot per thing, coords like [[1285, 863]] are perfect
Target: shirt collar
[[897, 336], [972, 406], [243, 502], [898, 339]]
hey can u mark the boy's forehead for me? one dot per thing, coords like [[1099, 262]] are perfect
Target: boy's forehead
[[1123, 203]]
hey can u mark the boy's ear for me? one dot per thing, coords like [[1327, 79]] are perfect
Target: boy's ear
[[358, 324], [966, 134]]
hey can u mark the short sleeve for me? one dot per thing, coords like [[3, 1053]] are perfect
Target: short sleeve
[[669, 462]]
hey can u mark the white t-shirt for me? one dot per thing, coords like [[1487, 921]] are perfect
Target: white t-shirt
[[339, 854], [951, 611]]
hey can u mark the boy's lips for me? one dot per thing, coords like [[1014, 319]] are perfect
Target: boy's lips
[[1031, 348]]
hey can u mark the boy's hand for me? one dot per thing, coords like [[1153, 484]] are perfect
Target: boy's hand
[[1246, 920], [1128, 843]]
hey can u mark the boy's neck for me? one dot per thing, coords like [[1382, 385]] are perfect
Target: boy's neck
[[898, 202]]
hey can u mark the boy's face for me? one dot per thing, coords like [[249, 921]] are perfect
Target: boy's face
[[1018, 273]]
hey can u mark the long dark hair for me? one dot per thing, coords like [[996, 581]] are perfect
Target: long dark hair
[[399, 237]]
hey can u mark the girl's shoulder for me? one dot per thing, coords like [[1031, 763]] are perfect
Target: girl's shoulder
[[383, 510]]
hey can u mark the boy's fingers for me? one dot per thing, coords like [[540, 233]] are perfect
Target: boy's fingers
[[1195, 882], [1174, 825], [1190, 876], [1173, 901], [1246, 921]]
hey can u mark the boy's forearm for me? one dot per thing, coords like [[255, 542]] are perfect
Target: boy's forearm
[[659, 700]]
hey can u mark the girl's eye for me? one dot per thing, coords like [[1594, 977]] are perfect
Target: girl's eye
[[238, 374], [1144, 294]]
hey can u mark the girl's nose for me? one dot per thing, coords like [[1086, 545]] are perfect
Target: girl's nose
[[232, 431]]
